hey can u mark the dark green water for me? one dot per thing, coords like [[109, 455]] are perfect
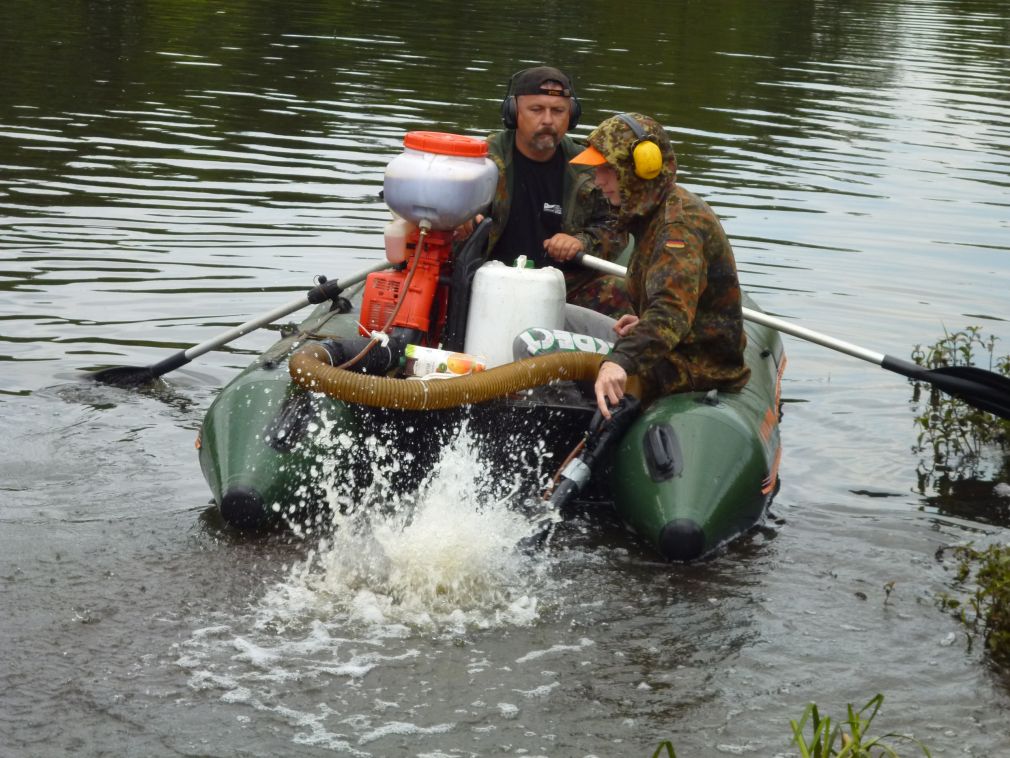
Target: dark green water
[[171, 169]]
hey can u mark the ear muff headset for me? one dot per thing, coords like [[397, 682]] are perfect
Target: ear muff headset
[[645, 153], [510, 109]]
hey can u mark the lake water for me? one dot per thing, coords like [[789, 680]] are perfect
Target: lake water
[[170, 170]]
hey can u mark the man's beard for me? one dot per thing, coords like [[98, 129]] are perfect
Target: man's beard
[[545, 140]]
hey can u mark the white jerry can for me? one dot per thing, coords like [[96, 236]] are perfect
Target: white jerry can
[[507, 300]]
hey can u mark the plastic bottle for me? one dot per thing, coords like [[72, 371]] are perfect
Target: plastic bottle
[[423, 361]]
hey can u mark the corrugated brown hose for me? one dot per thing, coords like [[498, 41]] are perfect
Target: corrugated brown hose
[[310, 368]]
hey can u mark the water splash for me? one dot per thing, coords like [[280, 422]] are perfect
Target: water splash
[[444, 557]]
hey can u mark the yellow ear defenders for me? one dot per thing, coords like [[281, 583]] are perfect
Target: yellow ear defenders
[[645, 153]]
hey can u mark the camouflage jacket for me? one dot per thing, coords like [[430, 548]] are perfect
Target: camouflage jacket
[[587, 214], [683, 285]]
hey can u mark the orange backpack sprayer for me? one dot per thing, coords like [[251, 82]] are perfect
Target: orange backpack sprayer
[[438, 183]]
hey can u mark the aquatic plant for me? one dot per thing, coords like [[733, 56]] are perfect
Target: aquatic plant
[[955, 434], [847, 739], [985, 612], [831, 739]]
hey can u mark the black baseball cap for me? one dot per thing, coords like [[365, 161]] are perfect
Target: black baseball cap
[[538, 81]]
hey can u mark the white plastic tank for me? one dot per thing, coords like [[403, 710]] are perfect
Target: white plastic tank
[[442, 178], [507, 300]]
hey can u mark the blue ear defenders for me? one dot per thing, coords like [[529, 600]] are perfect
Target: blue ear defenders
[[510, 110], [645, 153]]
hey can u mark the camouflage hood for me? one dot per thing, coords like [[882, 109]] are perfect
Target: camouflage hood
[[614, 138]]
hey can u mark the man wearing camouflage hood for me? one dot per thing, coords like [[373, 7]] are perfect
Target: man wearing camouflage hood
[[686, 332]]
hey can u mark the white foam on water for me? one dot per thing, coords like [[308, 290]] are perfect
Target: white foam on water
[[444, 557], [402, 728], [554, 649], [508, 710]]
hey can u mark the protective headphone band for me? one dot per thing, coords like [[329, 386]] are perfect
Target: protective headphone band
[[635, 127], [646, 153], [510, 109]]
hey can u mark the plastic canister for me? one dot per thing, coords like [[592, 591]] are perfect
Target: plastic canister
[[507, 300], [445, 179], [394, 238]]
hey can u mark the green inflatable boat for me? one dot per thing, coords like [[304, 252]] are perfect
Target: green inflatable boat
[[294, 435], [380, 379]]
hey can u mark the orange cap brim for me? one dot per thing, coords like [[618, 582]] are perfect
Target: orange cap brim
[[589, 157]]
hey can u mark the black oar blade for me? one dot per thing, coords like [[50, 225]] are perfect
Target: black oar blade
[[134, 376], [990, 379], [983, 389], [124, 376]]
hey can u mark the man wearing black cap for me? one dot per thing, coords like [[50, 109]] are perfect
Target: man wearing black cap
[[545, 207]]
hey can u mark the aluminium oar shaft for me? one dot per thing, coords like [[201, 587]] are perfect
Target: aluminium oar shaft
[[312, 296], [811, 336], [249, 326], [757, 317], [126, 376]]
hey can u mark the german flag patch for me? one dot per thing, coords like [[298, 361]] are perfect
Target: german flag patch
[[675, 245]]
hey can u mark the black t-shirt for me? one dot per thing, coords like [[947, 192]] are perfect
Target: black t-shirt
[[535, 214]]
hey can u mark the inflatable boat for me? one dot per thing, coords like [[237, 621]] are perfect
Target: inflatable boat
[[385, 373]]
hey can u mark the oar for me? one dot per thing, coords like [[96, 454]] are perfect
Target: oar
[[983, 389], [131, 376]]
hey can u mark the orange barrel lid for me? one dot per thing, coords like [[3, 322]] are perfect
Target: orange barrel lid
[[444, 143]]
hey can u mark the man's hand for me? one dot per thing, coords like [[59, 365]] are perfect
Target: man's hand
[[562, 247], [625, 324], [464, 230], [610, 382]]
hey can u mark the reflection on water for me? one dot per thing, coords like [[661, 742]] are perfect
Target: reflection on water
[[171, 170]]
